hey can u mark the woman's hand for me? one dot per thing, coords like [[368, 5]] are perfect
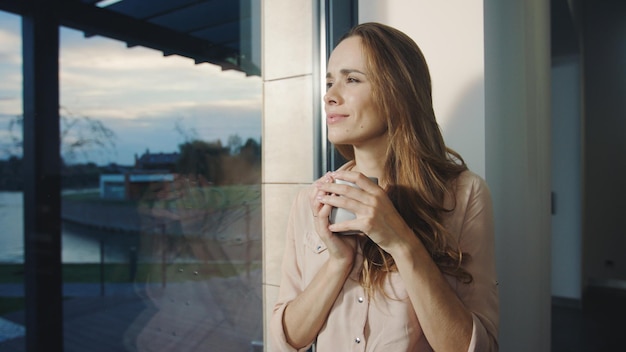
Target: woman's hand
[[376, 216], [341, 248]]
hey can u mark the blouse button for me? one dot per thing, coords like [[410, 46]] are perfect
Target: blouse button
[[357, 340], [360, 299]]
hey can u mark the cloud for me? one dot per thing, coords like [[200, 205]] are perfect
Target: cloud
[[138, 93], [10, 41], [104, 78], [10, 64]]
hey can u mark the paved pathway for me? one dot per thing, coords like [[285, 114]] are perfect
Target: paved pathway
[[77, 290], [221, 314]]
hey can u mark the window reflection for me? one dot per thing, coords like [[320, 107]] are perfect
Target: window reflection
[[12, 315], [173, 221], [204, 283], [161, 198]]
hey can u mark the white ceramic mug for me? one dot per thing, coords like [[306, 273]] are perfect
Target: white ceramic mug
[[338, 215]]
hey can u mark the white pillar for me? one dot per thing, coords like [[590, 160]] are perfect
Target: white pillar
[[517, 106]]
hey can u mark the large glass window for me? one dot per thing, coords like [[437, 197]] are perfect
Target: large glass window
[[11, 211], [161, 196]]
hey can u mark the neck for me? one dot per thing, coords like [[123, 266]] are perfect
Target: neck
[[370, 162]]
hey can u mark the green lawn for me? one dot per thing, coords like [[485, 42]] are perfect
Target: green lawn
[[117, 273], [121, 273], [217, 197]]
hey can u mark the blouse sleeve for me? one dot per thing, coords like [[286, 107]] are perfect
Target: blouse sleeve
[[291, 279], [477, 239]]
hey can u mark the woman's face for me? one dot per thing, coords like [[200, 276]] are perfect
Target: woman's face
[[351, 114]]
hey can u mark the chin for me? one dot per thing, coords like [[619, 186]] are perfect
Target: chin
[[339, 141]]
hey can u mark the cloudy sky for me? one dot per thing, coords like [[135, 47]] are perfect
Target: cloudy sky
[[149, 101]]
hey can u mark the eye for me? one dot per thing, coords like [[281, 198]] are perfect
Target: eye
[[328, 85], [353, 80]]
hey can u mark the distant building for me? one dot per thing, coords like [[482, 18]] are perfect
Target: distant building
[[132, 184], [159, 161]]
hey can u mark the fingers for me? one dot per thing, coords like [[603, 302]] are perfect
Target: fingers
[[365, 183], [317, 193], [364, 201]]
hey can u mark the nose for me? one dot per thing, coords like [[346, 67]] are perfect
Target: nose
[[331, 97]]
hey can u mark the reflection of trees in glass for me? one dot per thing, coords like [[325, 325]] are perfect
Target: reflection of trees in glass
[[234, 143], [11, 174], [201, 158], [219, 165], [79, 135]]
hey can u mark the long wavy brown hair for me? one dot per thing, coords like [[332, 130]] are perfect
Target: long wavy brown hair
[[420, 169]]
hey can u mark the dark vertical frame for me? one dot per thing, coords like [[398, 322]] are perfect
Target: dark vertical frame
[[341, 15], [42, 188]]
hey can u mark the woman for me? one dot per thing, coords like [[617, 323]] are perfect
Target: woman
[[420, 274]]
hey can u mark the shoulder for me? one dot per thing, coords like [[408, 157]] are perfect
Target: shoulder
[[470, 185], [471, 215], [469, 198]]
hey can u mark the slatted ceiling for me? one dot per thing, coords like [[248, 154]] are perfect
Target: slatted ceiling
[[213, 31], [184, 16], [201, 15], [218, 22], [226, 34], [145, 9]]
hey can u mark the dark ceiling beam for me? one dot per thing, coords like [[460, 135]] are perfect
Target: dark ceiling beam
[[99, 21], [93, 20], [13, 6]]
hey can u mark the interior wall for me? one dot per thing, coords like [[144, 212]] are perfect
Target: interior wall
[[604, 58], [288, 158], [517, 110], [450, 34]]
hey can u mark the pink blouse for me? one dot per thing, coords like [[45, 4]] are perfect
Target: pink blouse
[[360, 323]]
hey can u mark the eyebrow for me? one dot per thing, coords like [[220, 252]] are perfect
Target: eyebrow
[[346, 72]]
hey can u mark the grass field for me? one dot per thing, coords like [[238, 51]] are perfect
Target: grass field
[[121, 273], [118, 273], [218, 197]]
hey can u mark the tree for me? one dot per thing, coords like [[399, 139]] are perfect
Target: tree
[[79, 135], [201, 158], [234, 144], [189, 134]]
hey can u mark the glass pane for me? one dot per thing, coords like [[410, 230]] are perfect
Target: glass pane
[[161, 200], [11, 213]]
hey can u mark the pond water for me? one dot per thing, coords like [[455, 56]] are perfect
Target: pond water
[[80, 244]]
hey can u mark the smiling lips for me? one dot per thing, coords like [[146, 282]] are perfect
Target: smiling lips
[[334, 118]]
